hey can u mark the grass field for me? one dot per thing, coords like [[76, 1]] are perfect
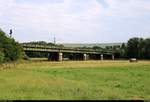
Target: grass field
[[76, 80]]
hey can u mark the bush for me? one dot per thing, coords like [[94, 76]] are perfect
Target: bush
[[12, 50], [1, 57]]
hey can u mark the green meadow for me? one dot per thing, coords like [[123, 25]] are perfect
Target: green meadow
[[75, 80]]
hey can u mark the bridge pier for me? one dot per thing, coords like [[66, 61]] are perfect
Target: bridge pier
[[102, 57], [60, 56], [85, 57], [113, 57]]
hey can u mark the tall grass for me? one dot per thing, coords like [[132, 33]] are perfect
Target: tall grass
[[76, 80]]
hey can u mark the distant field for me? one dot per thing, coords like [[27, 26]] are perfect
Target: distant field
[[76, 80], [90, 45]]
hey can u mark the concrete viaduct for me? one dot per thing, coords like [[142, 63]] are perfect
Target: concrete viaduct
[[58, 53]]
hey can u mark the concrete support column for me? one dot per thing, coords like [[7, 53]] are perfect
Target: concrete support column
[[102, 57], [60, 56], [113, 57], [84, 57]]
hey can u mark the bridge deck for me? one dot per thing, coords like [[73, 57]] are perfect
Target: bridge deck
[[41, 48]]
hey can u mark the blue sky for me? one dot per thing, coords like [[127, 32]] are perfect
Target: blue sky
[[76, 21]]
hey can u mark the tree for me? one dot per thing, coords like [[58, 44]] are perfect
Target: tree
[[133, 47], [123, 51], [12, 50], [146, 48], [97, 47], [108, 47], [1, 57]]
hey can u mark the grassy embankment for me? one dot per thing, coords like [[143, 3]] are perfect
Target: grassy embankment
[[76, 80]]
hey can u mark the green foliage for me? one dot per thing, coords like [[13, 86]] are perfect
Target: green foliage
[[97, 47], [146, 49], [1, 57], [11, 49], [108, 47], [138, 48], [123, 51], [133, 47], [43, 43]]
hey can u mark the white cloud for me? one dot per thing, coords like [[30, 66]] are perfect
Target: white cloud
[[128, 8], [73, 20]]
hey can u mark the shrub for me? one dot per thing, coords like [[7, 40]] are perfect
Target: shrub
[[1, 57], [12, 50]]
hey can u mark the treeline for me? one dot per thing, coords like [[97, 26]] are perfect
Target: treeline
[[44, 43], [10, 50], [135, 48], [139, 48]]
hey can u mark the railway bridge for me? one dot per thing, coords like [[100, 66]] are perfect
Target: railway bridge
[[58, 53]]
